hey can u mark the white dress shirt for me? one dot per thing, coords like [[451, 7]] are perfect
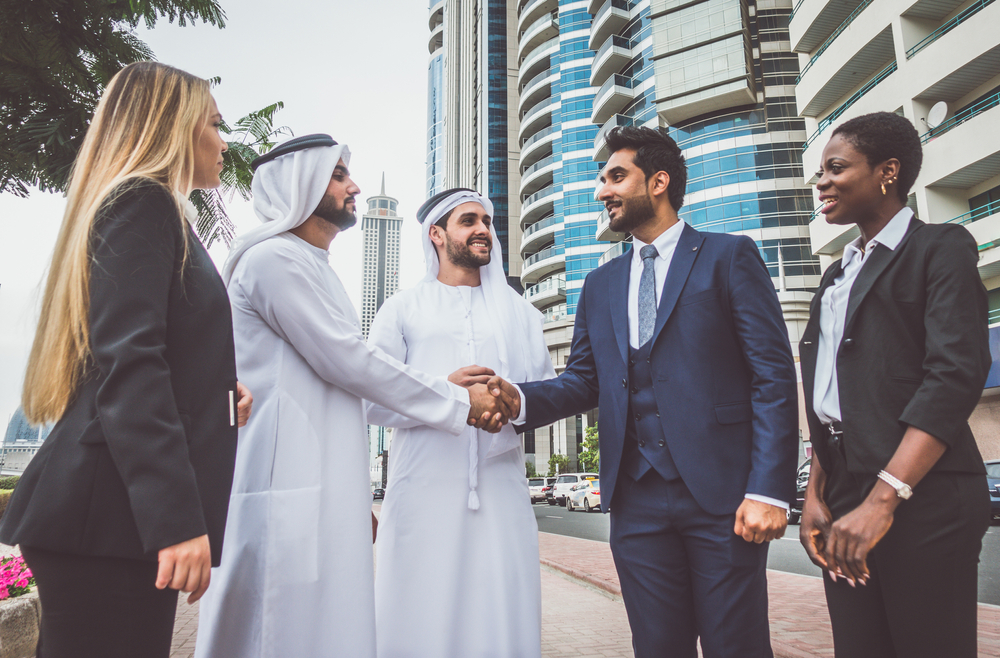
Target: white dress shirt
[[833, 314], [665, 244]]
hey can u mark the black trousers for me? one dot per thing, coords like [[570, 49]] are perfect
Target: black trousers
[[100, 607], [921, 600]]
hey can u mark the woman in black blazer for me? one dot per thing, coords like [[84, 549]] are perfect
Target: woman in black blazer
[[894, 359], [126, 501]]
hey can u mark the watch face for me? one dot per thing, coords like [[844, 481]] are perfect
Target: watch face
[[904, 492]]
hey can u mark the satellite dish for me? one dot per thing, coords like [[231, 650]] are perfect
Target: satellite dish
[[937, 115]]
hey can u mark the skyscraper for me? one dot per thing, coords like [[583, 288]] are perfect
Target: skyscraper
[[381, 226]]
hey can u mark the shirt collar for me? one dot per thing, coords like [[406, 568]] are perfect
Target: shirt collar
[[890, 236], [665, 242]]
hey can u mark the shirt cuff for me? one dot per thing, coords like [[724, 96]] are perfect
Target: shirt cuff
[[770, 501], [521, 417]]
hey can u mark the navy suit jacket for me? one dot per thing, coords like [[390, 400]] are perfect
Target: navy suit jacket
[[723, 372]]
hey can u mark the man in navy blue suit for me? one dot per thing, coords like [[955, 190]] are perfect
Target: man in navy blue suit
[[681, 344]]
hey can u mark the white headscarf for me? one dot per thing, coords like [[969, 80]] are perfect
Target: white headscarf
[[509, 316], [286, 191]]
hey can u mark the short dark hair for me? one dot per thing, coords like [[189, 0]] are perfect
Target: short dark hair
[[655, 150], [881, 136], [443, 222]]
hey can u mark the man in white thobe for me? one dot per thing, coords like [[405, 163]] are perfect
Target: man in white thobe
[[296, 579], [457, 572]]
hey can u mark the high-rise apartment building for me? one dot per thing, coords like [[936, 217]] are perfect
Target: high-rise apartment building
[[720, 74], [937, 63], [471, 140], [380, 260]]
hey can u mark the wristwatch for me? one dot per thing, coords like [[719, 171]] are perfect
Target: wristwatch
[[903, 490]]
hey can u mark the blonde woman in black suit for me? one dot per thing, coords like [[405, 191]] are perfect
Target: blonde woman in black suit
[[894, 360], [125, 504]]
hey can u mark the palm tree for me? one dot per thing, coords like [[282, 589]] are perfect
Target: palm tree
[[252, 135]]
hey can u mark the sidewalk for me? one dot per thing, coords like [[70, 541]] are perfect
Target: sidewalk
[[583, 616]]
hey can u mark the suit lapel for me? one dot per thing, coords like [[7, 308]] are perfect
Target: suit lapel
[[618, 280], [877, 263], [685, 254]]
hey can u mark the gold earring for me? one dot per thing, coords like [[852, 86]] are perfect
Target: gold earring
[[883, 188]]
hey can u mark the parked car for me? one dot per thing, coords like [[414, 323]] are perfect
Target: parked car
[[537, 488], [563, 484], [993, 477], [378, 494], [801, 480], [587, 495]]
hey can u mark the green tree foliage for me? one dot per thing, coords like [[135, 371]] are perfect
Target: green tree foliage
[[589, 459], [56, 57], [560, 461], [529, 469]]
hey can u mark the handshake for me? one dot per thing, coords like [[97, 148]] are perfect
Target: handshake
[[493, 400]]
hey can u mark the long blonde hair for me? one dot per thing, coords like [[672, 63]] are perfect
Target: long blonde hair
[[143, 129]]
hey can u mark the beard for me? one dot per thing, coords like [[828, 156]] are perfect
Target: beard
[[461, 256], [340, 217], [635, 210]]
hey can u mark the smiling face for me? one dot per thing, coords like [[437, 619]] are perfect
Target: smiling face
[[338, 205], [208, 149], [850, 189], [625, 193], [466, 239]]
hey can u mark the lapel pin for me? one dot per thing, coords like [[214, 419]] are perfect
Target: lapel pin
[[694, 248]]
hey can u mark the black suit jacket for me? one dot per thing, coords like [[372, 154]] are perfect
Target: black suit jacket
[[143, 457], [915, 350]]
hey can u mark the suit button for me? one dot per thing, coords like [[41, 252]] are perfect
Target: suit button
[[624, 384], [638, 416], [648, 360], [642, 444], [657, 414], [634, 390], [631, 362], [663, 443]]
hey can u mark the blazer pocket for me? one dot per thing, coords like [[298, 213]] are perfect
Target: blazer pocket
[[734, 412], [93, 434], [695, 297]]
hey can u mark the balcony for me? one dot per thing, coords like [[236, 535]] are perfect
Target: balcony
[[545, 28], [539, 145], [539, 204], [539, 174], [539, 233], [982, 212], [966, 114], [538, 88], [547, 291], [960, 18], [555, 313], [600, 148], [614, 252], [833, 37], [610, 19], [436, 40], [604, 232], [532, 11], [812, 22], [436, 14], [846, 105], [610, 58], [537, 60], [538, 117], [869, 50], [544, 262], [614, 95]]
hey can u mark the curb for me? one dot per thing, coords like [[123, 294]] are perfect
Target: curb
[[599, 583]]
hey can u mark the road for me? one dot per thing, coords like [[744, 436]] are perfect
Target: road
[[784, 555]]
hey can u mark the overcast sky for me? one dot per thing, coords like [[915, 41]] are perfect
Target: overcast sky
[[355, 70]]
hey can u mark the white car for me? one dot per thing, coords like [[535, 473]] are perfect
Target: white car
[[536, 486], [563, 485], [587, 495]]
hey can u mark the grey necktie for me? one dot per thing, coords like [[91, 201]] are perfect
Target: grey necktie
[[647, 294]]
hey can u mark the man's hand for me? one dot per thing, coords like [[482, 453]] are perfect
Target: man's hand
[[759, 522], [244, 406], [814, 530], [853, 536], [469, 375], [487, 411], [506, 392], [186, 566]]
